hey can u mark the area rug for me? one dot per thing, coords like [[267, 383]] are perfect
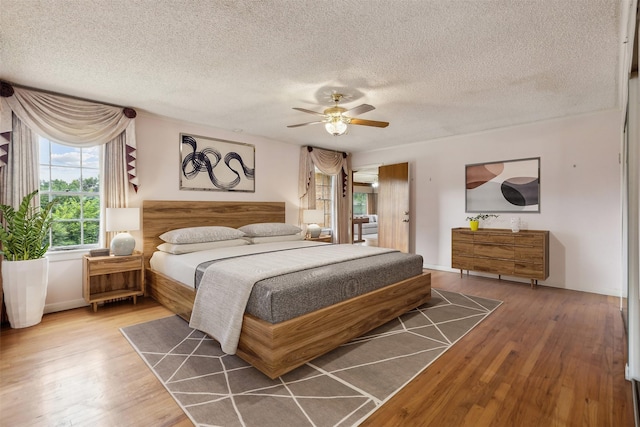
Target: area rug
[[341, 388]]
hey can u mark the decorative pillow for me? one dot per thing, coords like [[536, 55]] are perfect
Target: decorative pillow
[[201, 234], [269, 239], [264, 229], [186, 248]]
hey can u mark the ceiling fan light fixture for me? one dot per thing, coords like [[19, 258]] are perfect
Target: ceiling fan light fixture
[[336, 127], [335, 118]]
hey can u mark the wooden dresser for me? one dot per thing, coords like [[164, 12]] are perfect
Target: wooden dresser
[[500, 251]]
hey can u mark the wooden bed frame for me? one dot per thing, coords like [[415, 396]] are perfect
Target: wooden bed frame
[[274, 349]]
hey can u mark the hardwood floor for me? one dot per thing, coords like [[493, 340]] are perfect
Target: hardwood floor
[[76, 368], [546, 357]]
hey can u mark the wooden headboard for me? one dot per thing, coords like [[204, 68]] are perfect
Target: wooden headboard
[[159, 216]]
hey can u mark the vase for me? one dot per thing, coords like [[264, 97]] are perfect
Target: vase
[[474, 225], [25, 290]]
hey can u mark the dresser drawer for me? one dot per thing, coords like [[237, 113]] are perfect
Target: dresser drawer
[[493, 251], [461, 236], [529, 253], [463, 248], [462, 262], [528, 239], [494, 238], [495, 266], [114, 264], [530, 269]]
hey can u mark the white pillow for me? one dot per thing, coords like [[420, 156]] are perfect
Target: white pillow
[[186, 248], [264, 229], [201, 234], [269, 239]]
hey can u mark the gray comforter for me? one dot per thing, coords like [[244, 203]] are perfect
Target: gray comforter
[[226, 285]]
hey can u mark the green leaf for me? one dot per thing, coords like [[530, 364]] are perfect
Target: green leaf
[[24, 232]]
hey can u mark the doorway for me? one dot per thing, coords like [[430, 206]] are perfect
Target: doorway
[[365, 206], [392, 204]]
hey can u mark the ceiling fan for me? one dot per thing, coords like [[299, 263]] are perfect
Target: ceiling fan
[[334, 118]]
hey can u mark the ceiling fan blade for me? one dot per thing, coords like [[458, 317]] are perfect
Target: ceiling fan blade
[[304, 124], [304, 110], [360, 109], [369, 123]]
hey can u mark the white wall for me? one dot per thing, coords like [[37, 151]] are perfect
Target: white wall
[[580, 193], [158, 160], [158, 163]]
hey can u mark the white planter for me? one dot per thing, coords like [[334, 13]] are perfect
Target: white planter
[[25, 289]]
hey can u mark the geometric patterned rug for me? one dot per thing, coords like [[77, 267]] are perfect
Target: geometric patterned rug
[[340, 388]]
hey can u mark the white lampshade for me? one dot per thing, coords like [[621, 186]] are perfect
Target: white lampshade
[[336, 127], [124, 220], [313, 217]]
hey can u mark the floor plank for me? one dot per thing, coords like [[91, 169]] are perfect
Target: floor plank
[[547, 357]]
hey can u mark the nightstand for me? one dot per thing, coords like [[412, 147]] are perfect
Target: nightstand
[[111, 277], [323, 238]]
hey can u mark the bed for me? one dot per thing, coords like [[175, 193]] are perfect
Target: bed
[[273, 348]]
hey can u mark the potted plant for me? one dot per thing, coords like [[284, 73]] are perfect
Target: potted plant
[[474, 221], [24, 239]]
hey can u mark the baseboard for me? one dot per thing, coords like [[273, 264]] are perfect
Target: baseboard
[[440, 268], [66, 305], [52, 308], [635, 391]]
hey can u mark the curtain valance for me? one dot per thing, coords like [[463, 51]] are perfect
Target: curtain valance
[[68, 121], [334, 163], [328, 162]]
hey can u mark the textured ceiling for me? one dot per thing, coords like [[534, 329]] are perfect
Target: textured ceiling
[[432, 68]]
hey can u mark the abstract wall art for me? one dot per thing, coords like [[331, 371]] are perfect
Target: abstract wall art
[[216, 164], [505, 186]]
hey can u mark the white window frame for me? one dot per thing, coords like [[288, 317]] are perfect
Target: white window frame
[[47, 164]]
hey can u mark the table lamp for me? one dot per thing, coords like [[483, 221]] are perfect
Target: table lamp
[[312, 217], [123, 220]]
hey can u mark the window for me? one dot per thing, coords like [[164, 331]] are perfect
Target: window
[[71, 175], [360, 204], [365, 198], [324, 197]]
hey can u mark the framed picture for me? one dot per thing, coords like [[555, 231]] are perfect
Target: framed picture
[[506, 186], [216, 164]]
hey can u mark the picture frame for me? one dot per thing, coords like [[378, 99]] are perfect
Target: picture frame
[[509, 186], [212, 164]]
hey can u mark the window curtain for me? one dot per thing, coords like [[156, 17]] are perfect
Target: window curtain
[[333, 163], [73, 122], [20, 172], [115, 190]]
